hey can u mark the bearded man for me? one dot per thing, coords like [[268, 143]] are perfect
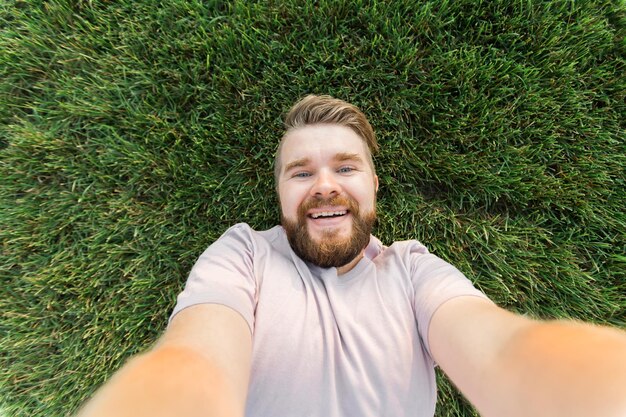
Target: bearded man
[[317, 317]]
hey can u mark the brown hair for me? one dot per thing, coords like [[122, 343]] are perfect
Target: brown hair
[[312, 110]]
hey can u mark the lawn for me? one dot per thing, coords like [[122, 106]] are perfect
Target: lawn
[[133, 133]]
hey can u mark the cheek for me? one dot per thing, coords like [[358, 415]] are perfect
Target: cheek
[[289, 201], [365, 193]]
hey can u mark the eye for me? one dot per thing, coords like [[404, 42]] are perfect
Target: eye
[[345, 170], [302, 174]]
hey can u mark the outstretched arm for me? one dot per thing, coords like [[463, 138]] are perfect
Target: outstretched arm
[[508, 365], [200, 367]]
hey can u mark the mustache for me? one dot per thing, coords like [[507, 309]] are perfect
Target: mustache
[[337, 200]]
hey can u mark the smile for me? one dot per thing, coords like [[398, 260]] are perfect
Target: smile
[[325, 214]]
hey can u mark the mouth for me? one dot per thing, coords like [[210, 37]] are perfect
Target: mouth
[[328, 214], [328, 217]]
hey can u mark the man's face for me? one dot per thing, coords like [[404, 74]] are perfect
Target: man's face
[[327, 191]]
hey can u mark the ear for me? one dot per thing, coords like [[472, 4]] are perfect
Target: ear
[[376, 182]]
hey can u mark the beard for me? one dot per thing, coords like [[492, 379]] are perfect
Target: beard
[[332, 250]]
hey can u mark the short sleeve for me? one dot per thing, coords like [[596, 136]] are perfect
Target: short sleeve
[[434, 281], [224, 274]]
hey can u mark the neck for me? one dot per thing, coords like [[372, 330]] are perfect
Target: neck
[[347, 267]]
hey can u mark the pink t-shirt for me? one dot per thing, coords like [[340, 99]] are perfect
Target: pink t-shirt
[[327, 345]]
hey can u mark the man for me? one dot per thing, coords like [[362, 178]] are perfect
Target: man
[[318, 318]]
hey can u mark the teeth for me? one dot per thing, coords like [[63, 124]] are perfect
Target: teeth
[[329, 213]]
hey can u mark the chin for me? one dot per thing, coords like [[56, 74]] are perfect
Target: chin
[[343, 233]]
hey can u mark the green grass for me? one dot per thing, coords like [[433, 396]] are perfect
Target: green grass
[[133, 133]]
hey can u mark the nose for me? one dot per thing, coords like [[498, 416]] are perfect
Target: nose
[[325, 185]]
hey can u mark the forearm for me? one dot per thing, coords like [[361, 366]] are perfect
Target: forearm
[[167, 381], [559, 369]]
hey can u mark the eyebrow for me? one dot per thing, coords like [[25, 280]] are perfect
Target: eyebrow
[[345, 156], [297, 163], [340, 157]]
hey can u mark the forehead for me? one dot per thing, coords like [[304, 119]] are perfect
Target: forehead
[[321, 142]]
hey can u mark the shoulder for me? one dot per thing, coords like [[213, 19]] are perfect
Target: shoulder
[[420, 261], [409, 248], [241, 230], [426, 272], [403, 252], [245, 233], [257, 244]]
